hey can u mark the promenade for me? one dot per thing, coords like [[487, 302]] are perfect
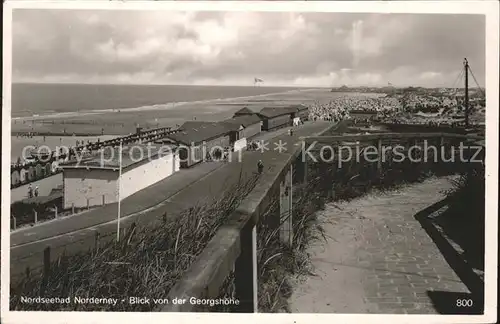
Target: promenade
[[378, 258], [202, 184]]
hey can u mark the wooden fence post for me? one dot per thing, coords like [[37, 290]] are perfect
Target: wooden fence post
[[245, 270], [306, 169], [36, 216], [290, 208], [96, 239], [46, 261], [103, 200], [286, 222], [73, 208], [14, 222], [55, 212], [46, 270], [88, 203], [379, 160]]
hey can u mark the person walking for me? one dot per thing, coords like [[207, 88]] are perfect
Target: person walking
[[260, 166], [36, 191], [30, 191]]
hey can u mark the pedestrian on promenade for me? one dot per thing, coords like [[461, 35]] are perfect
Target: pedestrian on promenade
[[36, 191], [260, 166], [30, 191]]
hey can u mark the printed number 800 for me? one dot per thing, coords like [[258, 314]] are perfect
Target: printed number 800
[[464, 302]]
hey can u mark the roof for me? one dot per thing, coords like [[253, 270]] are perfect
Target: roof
[[199, 131], [275, 112], [244, 111], [245, 120], [109, 157]]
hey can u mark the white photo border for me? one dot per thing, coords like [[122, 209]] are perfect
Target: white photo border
[[488, 8]]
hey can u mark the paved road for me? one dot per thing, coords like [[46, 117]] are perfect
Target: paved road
[[77, 233], [378, 258]]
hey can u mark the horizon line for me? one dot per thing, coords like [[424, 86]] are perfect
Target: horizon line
[[249, 85]]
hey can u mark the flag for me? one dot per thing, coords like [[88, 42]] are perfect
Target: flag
[[257, 80]]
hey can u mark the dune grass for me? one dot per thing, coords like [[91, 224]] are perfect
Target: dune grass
[[146, 262]]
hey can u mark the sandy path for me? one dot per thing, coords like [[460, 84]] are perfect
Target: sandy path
[[377, 259]]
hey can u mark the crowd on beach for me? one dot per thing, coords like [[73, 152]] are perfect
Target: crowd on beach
[[340, 107], [388, 109]]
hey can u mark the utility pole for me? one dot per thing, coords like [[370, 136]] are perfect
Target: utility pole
[[466, 67], [119, 182]]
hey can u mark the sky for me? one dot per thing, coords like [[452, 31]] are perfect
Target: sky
[[233, 48]]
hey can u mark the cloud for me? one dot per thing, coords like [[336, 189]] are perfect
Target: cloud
[[306, 49]]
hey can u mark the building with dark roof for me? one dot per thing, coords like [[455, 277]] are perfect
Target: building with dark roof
[[197, 132], [244, 111], [242, 128], [301, 111], [276, 117], [197, 139], [248, 125], [95, 180]]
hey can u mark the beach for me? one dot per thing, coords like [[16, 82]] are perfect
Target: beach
[[68, 127]]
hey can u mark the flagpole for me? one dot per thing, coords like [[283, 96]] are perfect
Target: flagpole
[[119, 187]]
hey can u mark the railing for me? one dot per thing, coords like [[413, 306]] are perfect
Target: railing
[[234, 247], [431, 128]]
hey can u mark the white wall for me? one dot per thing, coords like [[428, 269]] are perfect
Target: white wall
[[240, 144], [147, 174], [177, 162], [81, 184]]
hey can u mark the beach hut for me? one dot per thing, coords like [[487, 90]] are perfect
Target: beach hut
[[31, 173], [48, 168], [55, 165], [23, 175], [15, 178], [39, 171]]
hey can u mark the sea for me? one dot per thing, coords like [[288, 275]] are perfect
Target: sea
[[41, 99]]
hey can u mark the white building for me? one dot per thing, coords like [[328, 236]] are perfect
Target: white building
[[94, 181]]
